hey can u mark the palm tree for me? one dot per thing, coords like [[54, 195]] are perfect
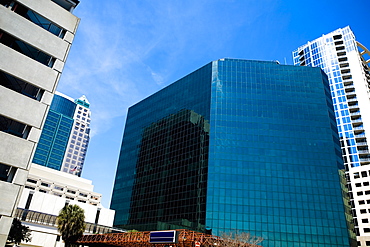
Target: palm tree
[[71, 223]]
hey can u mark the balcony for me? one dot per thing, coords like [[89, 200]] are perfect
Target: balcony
[[350, 90], [348, 82], [364, 161], [360, 135], [354, 99], [363, 151], [345, 71], [355, 113], [357, 120], [351, 94], [349, 85], [362, 143], [344, 65], [339, 48], [355, 106], [359, 128], [338, 36], [342, 53]]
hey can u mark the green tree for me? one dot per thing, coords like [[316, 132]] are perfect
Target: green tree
[[133, 230], [71, 223], [239, 239], [19, 232]]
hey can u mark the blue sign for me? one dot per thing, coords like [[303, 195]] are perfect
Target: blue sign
[[160, 237]]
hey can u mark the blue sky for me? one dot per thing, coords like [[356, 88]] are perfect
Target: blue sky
[[126, 50]]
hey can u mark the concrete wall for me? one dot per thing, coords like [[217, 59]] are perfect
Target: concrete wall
[[50, 204], [15, 151], [33, 34], [46, 203], [26, 69]]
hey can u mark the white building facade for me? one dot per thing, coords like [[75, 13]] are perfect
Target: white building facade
[[79, 138], [46, 192], [35, 38], [346, 62]]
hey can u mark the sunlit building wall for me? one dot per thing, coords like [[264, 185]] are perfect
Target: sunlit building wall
[[236, 145], [346, 62], [35, 38], [46, 192], [79, 138]]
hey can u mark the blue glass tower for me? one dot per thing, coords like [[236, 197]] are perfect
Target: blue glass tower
[[236, 145], [55, 134]]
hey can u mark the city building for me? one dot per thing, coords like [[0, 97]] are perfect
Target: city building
[[45, 194], [236, 145], [35, 38], [346, 62], [65, 135]]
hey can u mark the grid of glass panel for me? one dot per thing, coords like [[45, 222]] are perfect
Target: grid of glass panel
[[272, 162], [273, 165], [326, 53], [55, 133], [164, 147]]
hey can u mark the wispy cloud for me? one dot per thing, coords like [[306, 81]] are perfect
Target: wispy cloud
[[126, 50]]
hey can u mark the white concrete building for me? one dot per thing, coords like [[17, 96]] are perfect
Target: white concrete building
[[346, 62], [35, 38], [46, 192]]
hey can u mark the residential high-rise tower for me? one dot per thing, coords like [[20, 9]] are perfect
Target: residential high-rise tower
[[238, 145], [35, 38], [346, 62]]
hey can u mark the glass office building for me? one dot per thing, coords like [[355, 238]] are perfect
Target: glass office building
[[346, 62], [55, 133], [236, 145], [65, 135]]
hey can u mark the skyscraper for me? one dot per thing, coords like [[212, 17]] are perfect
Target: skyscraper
[[236, 145], [346, 62], [79, 139], [65, 135], [35, 38]]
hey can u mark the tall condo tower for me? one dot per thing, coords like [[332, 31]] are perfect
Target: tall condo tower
[[239, 145], [65, 135], [35, 38], [346, 62]]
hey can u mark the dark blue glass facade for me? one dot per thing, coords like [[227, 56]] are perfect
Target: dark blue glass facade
[[55, 133], [236, 145]]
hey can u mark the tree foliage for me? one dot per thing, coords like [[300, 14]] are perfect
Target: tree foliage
[[239, 239], [19, 232], [71, 223]]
